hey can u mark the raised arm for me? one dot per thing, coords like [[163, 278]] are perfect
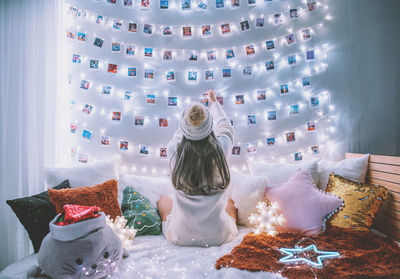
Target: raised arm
[[223, 129]]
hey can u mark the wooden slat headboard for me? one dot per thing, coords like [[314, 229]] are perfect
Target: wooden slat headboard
[[385, 171]]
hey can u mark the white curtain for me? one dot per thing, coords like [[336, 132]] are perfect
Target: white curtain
[[28, 79]]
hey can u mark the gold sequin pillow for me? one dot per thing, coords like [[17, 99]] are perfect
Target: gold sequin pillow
[[361, 203]]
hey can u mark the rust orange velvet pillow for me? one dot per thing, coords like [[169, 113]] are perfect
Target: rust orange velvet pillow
[[103, 195]]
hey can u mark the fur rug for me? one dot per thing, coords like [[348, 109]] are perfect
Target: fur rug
[[363, 255]]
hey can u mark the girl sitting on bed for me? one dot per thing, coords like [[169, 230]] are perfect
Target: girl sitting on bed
[[199, 213]]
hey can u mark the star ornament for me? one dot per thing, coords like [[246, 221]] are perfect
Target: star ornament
[[267, 219], [292, 255]]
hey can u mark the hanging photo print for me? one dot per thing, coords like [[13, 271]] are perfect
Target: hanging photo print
[[94, 64], [290, 39], [271, 115], [284, 89], [163, 122], [105, 141], [172, 101], [251, 147], [270, 142], [116, 115], [311, 126], [86, 134], [85, 84], [130, 50], [131, 72], [186, 5], [170, 76], [270, 45], [269, 65], [163, 153], [294, 110], [151, 99], [148, 29], [139, 121], [261, 95], [226, 73], [211, 55], [260, 22], [290, 137], [225, 29], [106, 90], [116, 47], [123, 145], [192, 76], [206, 30], [235, 3], [148, 73], [132, 27], [245, 25], [219, 4], [167, 31], [112, 68], [98, 42], [298, 156], [143, 150], [236, 150], [163, 4]]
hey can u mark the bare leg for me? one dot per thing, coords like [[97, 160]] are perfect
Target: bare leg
[[232, 210], [164, 207]]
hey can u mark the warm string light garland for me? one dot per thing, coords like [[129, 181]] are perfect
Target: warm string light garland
[[124, 233], [268, 44], [313, 100], [250, 49], [129, 98], [202, 5], [151, 149], [247, 70], [276, 19], [301, 83]]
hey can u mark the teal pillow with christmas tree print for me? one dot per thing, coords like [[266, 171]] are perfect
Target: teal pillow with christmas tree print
[[140, 214]]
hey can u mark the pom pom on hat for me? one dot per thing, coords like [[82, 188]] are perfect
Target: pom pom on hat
[[196, 122]]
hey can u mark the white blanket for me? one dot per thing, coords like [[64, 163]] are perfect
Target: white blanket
[[153, 257]]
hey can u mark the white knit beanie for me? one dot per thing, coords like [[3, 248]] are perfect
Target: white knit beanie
[[196, 132]]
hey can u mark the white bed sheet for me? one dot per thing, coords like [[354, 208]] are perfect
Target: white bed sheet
[[153, 257]]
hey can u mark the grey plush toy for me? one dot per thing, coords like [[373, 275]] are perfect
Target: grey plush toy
[[86, 249]]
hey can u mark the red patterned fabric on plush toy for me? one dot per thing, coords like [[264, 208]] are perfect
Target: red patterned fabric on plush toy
[[74, 213]]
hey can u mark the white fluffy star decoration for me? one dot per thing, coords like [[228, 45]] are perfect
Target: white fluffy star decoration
[[267, 219], [124, 233]]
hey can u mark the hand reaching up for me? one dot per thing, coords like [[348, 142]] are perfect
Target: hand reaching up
[[211, 96]]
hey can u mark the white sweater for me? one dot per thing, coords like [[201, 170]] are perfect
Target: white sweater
[[202, 220]]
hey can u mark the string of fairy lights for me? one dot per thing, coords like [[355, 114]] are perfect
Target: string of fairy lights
[[193, 75], [302, 83], [89, 51], [189, 5]]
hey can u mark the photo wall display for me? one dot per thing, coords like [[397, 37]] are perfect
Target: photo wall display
[[210, 74], [277, 18], [308, 53], [291, 117], [186, 5], [262, 96]]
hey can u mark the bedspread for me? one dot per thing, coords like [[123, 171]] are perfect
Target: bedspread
[[153, 257]]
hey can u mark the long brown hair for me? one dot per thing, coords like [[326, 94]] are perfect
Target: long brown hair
[[200, 166]]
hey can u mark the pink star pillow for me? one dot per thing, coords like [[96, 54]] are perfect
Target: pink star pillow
[[303, 206]]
